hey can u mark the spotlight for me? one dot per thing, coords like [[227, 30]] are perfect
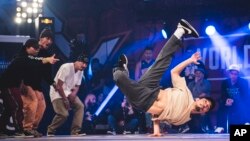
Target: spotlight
[[29, 20], [249, 26], [210, 30], [18, 14], [41, 1], [35, 5], [30, 9], [18, 9], [24, 15], [24, 4], [164, 34], [35, 10], [18, 20], [164, 31]]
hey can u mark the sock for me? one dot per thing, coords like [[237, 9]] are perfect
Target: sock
[[179, 32]]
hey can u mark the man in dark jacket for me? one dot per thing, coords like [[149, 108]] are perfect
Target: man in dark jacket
[[34, 101]]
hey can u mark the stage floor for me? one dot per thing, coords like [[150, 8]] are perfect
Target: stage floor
[[137, 137]]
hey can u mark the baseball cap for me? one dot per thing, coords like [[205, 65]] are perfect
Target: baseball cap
[[234, 67], [200, 69], [32, 43], [46, 33], [83, 58]]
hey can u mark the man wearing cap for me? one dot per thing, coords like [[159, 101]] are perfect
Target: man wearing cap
[[34, 104], [68, 79], [12, 79], [234, 97], [199, 86]]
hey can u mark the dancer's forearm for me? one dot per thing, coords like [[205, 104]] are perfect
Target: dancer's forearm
[[156, 125], [180, 67], [157, 131]]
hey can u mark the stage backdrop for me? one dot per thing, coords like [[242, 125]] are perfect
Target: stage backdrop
[[218, 53]]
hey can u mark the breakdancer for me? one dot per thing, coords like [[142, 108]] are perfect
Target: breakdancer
[[172, 105]]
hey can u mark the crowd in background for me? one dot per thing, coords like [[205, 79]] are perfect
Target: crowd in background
[[118, 116]]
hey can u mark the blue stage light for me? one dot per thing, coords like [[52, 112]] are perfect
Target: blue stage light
[[210, 30], [104, 103], [164, 34]]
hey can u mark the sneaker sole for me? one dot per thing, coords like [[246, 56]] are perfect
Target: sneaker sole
[[123, 61], [23, 136], [186, 24], [125, 66], [185, 130], [126, 59], [50, 135], [79, 135]]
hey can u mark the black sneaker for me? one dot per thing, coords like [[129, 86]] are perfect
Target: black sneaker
[[32, 133], [37, 134], [20, 135], [188, 28], [123, 62], [184, 129]]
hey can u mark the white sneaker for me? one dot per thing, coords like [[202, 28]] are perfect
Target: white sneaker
[[219, 130], [126, 132], [111, 132]]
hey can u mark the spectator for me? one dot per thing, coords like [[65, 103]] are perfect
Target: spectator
[[234, 96], [141, 67], [90, 108], [123, 119]]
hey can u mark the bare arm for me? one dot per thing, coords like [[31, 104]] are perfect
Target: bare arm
[[62, 94], [73, 94], [175, 72], [156, 127]]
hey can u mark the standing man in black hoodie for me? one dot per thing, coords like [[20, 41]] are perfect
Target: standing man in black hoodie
[[34, 101]]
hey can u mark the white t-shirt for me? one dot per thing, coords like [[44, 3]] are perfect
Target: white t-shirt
[[180, 100], [67, 74]]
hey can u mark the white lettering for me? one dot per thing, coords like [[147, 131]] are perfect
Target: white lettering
[[239, 132], [221, 58], [234, 55], [214, 59], [246, 56], [225, 56]]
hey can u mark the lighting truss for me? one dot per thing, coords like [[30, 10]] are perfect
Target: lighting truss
[[28, 10]]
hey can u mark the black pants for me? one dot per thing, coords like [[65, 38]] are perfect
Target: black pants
[[13, 107], [143, 93]]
